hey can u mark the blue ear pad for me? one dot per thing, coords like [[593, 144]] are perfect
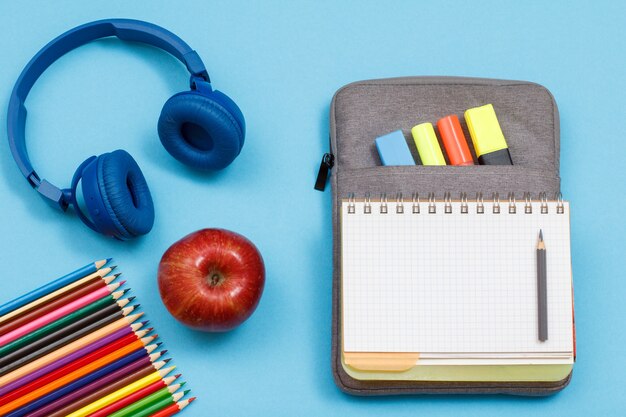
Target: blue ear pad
[[117, 196], [200, 130]]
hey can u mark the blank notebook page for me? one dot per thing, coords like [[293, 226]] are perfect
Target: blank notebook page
[[453, 283]]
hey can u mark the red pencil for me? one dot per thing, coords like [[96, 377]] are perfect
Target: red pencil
[[137, 395], [72, 366], [172, 409]]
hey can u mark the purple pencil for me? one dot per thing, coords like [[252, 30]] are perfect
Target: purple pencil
[[65, 360], [137, 369]]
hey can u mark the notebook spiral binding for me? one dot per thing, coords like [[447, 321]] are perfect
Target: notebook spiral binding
[[479, 202]]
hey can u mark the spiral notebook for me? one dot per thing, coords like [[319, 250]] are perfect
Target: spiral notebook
[[453, 282]]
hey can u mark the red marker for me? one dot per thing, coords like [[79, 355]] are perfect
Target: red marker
[[454, 141]]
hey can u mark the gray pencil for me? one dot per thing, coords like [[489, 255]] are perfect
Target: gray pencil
[[542, 289]]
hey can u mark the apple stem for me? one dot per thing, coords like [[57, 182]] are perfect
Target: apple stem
[[215, 279]]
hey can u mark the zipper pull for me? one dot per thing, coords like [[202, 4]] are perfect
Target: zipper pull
[[328, 161]]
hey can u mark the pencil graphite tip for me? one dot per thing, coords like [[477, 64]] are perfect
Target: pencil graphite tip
[[145, 322], [167, 360], [164, 352], [159, 344], [122, 283], [192, 399], [117, 275], [113, 267], [149, 329], [126, 290], [178, 376], [108, 260], [185, 392], [182, 384], [540, 234], [130, 299]]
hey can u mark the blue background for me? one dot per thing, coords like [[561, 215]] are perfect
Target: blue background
[[282, 62]]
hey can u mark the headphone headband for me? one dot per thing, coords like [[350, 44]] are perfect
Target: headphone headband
[[124, 29]]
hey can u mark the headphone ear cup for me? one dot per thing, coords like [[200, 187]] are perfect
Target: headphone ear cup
[[200, 131], [117, 196]]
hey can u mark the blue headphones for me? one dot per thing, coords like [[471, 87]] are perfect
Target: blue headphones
[[202, 128]]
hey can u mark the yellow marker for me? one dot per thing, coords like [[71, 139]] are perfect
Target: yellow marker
[[489, 142], [427, 144]]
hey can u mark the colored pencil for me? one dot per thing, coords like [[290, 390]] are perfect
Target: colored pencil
[[52, 286], [121, 393], [79, 383], [98, 389], [102, 274], [137, 347], [83, 315], [118, 334], [85, 289], [145, 408], [63, 311], [52, 342], [173, 408], [53, 345], [113, 350], [138, 395], [72, 347]]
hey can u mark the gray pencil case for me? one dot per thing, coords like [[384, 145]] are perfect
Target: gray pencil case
[[364, 110]]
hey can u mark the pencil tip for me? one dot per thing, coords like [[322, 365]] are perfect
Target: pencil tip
[[192, 399], [540, 234], [145, 322], [130, 299], [122, 283], [164, 352], [117, 275], [113, 267], [150, 329], [178, 375], [182, 384], [126, 290], [108, 260], [185, 392], [159, 344], [167, 360]]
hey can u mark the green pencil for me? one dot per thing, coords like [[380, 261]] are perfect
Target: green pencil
[[150, 404], [56, 325]]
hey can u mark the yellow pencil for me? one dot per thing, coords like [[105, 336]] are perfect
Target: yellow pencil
[[121, 393]]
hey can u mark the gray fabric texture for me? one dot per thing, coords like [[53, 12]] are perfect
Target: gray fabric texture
[[364, 110]]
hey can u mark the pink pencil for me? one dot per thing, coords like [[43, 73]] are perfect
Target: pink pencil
[[59, 313]]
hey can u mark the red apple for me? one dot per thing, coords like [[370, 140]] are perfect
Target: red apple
[[212, 279]]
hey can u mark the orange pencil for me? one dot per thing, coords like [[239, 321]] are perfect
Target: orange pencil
[[72, 376], [113, 347], [71, 347]]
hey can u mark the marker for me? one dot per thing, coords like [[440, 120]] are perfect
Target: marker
[[393, 149], [454, 141], [427, 144], [489, 142]]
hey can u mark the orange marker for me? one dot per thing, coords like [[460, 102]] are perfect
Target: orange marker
[[454, 141]]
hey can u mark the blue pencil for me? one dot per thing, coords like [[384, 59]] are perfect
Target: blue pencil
[[52, 286], [79, 383]]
